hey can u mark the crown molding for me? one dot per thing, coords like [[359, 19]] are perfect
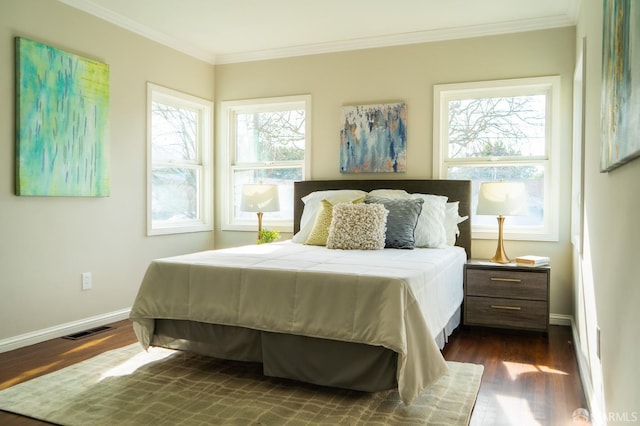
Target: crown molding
[[401, 39], [558, 21], [135, 27]]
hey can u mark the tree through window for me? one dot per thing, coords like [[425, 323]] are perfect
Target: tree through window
[[179, 190], [503, 130], [267, 142]]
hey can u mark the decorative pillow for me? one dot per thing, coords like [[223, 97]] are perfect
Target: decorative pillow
[[451, 221], [430, 231], [312, 205], [357, 227], [320, 232], [401, 221]]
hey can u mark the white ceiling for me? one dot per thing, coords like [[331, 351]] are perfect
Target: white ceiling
[[226, 31]]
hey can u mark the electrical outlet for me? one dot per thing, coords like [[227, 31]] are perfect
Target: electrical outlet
[[86, 280]]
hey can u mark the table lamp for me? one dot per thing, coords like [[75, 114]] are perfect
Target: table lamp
[[502, 199], [260, 198]]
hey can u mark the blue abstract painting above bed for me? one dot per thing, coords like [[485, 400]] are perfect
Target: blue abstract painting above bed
[[373, 138]]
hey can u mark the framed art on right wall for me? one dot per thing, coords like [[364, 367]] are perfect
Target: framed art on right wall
[[620, 114]]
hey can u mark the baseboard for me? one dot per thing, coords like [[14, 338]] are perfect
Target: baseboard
[[583, 365], [585, 377], [583, 368], [561, 319], [62, 330]]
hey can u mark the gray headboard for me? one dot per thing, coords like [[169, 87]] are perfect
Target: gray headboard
[[456, 190]]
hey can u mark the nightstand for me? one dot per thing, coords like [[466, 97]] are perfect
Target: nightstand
[[506, 295]]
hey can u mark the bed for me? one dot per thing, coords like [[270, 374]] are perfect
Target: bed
[[367, 320]]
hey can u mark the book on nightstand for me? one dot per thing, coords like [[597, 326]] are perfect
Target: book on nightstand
[[531, 260]]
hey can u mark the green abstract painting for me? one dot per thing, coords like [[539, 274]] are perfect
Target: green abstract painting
[[62, 123]]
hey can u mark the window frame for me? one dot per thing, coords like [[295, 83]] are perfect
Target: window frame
[[203, 163], [229, 110], [550, 87]]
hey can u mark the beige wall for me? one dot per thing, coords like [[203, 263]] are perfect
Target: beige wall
[[46, 243], [610, 262], [408, 73]]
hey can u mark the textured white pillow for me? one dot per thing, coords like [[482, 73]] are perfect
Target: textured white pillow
[[430, 230], [451, 221], [312, 206], [357, 227]]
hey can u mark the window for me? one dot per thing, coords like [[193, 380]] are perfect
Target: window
[[179, 171], [502, 130], [267, 141]]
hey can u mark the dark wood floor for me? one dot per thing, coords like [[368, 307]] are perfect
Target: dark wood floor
[[529, 378]]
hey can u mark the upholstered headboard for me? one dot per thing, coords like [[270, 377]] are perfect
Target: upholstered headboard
[[456, 190]]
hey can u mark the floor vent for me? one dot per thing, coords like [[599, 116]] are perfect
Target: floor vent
[[87, 333]]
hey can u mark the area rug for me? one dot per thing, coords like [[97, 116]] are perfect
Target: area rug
[[129, 386]]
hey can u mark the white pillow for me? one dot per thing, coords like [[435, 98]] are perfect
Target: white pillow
[[430, 230], [390, 193], [358, 227], [312, 204], [451, 221]]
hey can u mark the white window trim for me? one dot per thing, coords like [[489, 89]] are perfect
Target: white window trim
[[205, 203], [227, 152], [550, 85]]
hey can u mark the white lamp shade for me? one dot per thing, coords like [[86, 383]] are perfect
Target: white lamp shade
[[260, 198], [502, 199]]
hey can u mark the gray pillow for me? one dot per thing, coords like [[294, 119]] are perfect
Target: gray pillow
[[401, 220]]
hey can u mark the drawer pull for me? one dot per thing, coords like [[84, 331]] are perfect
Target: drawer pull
[[507, 308], [509, 280]]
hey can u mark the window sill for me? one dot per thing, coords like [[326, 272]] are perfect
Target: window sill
[[516, 236]]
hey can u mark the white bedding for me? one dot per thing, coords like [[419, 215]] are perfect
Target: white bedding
[[398, 299]]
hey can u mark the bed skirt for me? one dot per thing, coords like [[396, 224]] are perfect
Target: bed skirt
[[313, 360]]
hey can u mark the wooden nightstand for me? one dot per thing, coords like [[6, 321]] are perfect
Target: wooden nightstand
[[506, 296]]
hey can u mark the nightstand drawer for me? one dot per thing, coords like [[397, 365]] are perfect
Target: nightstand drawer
[[507, 283], [507, 313]]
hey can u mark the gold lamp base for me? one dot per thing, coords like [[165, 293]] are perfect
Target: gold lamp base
[[259, 223], [500, 256]]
